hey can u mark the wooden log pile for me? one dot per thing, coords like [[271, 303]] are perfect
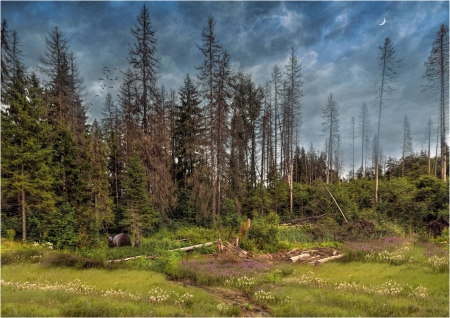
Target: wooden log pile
[[314, 256]]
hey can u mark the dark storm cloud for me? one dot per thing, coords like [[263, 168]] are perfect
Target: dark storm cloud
[[337, 43]]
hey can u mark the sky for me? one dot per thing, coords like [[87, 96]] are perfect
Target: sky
[[336, 42]]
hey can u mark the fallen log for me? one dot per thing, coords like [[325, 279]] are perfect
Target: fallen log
[[130, 258], [190, 248], [323, 260], [235, 249], [292, 251], [301, 256]]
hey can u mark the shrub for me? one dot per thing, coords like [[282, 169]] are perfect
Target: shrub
[[21, 255], [263, 233], [69, 260], [10, 234]]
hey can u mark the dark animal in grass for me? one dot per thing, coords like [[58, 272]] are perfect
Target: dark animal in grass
[[437, 227], [119, 240], [137, 243]]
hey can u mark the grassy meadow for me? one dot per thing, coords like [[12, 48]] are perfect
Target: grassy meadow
[[380, 277]]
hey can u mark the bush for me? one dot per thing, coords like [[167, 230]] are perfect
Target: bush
[[263, 234], [69, 260], [10, 234]]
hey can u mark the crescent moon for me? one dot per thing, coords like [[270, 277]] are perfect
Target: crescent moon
[[384, 21]]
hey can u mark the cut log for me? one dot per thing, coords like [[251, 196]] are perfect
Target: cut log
[[323, 260], [301, 256], [190, 248], [130, 258]]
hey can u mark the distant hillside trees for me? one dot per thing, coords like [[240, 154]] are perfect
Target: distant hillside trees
[[217, 150]]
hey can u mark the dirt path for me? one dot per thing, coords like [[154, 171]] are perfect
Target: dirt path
[[232, 298]]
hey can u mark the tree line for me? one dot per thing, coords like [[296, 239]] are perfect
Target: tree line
[[219, 145]]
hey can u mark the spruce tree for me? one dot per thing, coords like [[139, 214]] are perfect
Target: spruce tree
[[139, 216], [187, 132], [142, 58], [27, 180]]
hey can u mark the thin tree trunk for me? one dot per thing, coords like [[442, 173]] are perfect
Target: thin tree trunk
[[24, 216], [443, 141]]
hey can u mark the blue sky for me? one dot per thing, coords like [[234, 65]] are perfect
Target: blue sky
[[337, 43]]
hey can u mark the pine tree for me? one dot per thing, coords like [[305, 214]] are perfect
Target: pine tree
[[111, 131], [95, 215], [55, 64], [129, 108], [26, 154], [139, 216], [187, 133], [6, 55], [142, 58]]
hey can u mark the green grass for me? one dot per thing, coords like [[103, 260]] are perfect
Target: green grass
[[313, 291], [98, 292], [353, 286]]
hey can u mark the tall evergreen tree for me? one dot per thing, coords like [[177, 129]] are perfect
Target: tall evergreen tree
[[139, 216], [142, 58], [55, 65], [6, 55], [26, 154], [96, 217], [112, 133], [187, 133]]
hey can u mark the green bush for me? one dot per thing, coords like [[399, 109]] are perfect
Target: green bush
[[263, 233], [10, 234]]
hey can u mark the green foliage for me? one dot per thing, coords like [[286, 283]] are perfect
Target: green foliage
[[263, 233], [10, 234], [27, 180], [67, 259], [184, 211], [139, 216], [63, 230]]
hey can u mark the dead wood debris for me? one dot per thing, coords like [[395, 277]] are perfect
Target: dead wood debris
[[315, 256]]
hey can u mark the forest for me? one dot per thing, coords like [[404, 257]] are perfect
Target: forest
[[212, 153]]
